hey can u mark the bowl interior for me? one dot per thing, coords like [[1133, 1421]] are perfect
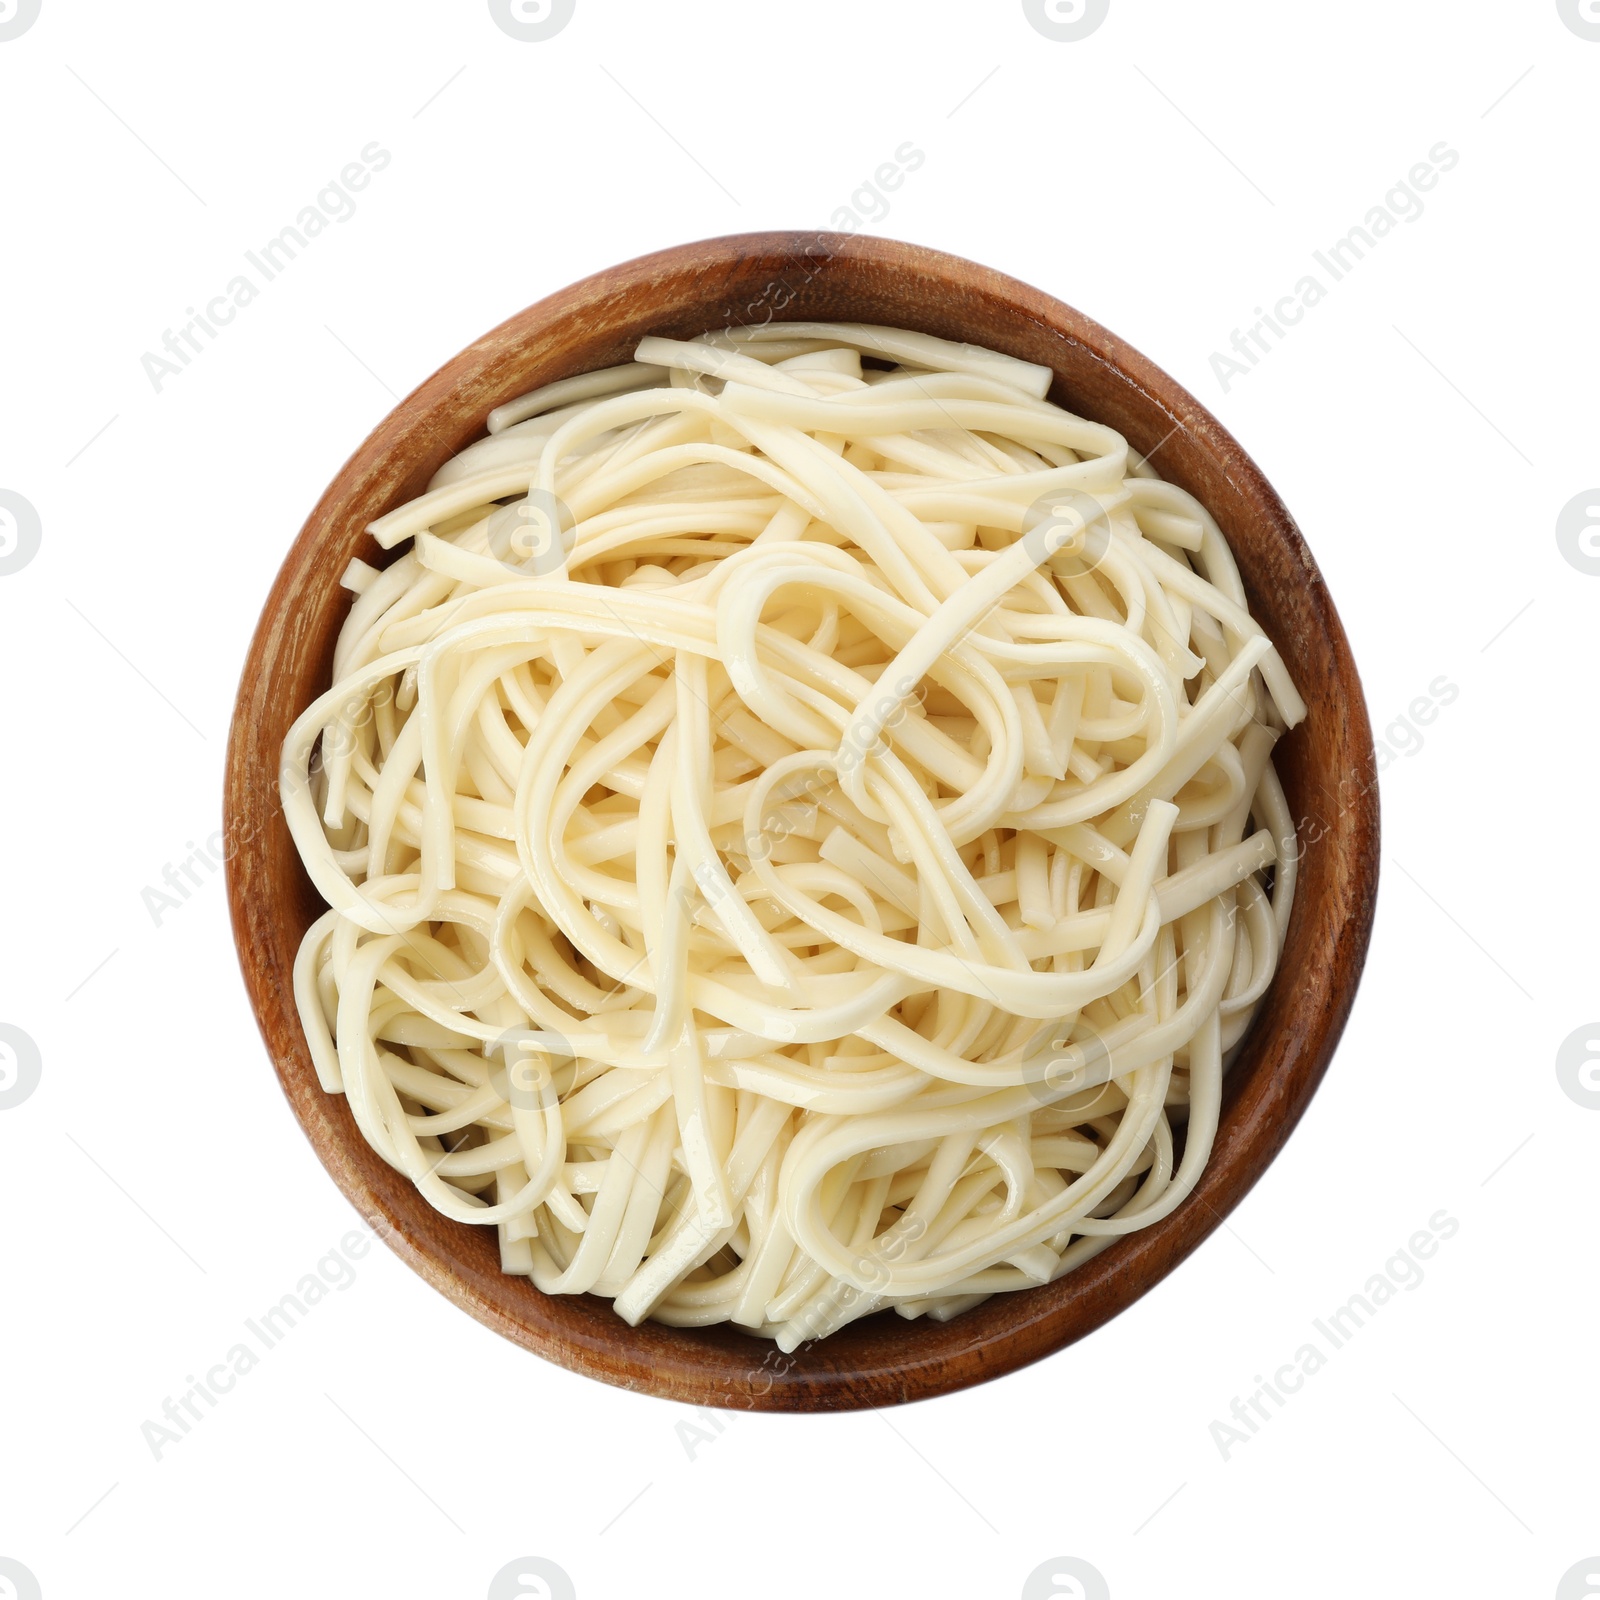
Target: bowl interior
[[1325, 765]]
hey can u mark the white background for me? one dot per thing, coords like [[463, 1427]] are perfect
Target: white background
[[1426, 423]]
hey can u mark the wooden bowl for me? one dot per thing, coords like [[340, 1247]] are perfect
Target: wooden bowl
[[1326, 767]]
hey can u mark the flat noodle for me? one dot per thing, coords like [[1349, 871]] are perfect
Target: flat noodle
[[797, 834]]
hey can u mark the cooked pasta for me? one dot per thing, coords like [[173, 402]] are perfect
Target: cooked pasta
[[799, 832]]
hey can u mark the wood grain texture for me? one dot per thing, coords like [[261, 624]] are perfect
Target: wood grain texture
[[1326, 767]]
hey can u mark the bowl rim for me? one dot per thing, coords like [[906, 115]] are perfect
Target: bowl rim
[[707, 1367]]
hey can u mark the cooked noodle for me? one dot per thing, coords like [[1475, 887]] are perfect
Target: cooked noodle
[[798, 832]]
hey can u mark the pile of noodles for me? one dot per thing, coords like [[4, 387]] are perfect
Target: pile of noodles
[[799, 832]]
